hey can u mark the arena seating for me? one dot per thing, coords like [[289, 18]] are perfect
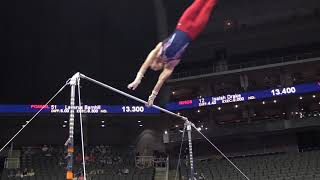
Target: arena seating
[[276, 166], [51, 166], [282, 166]]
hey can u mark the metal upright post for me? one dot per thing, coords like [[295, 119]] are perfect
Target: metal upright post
[[70, 141], [189, 129]]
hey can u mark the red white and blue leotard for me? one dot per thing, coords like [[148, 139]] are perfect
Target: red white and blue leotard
[[174, 46]]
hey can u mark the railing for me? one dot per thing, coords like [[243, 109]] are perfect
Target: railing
[[255, 63], [150, 161], [167, 169], [12, 163]]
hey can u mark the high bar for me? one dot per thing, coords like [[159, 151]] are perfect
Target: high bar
[[131, 97]]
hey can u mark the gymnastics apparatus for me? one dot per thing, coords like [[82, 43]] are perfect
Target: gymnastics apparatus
[[74, 82]]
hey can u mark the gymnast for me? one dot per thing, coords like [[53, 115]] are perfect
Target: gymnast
[[167, 54]]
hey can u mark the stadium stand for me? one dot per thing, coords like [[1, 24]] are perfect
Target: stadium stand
[[279, 166], [47, 163]]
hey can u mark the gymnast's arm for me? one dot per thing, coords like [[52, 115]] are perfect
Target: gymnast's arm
[[165, 74], [151, 57]]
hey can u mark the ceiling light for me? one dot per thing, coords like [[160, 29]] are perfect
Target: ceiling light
[[300, 97], [219, 108], [274, 101], [263, 102], [314, 96]]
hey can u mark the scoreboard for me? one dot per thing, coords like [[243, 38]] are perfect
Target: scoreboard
[[246, 96], [86, 109], [174, 106]]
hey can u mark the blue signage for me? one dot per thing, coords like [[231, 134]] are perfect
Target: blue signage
[[87, 109], [186, 104], [246, 96]]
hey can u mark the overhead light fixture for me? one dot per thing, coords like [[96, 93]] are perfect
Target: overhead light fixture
[[102, 125], [140, 125], [300, 97], [64, 126], [102, 121], [314, 96], [65, 121], [274, 101], [165, 132], [219, 108], [236, 106], [178, 113], [206, 128], [139, 121], [263, 102], [228, 23], [198, 110], [199, 129], [173, 92]]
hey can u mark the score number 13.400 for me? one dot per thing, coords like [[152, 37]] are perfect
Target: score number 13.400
[[283, 91]]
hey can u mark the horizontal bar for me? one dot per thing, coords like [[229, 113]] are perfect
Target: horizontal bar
[[131, 97]]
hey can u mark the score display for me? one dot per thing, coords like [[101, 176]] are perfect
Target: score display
[[86, 109], [246, 96], [187, 104]]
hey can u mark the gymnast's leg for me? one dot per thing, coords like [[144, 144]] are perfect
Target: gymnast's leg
[[202, 19], [194, 20], [190, 14]]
